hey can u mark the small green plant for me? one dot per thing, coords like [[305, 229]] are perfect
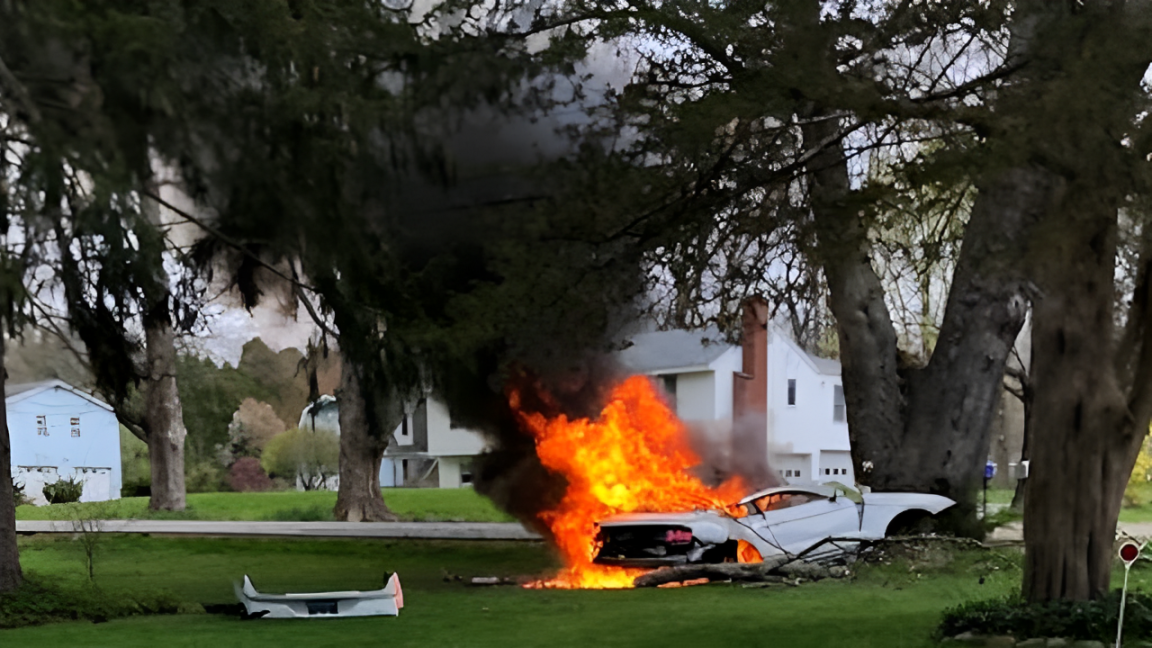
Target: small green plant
[[64, 491], [18, 493], [86, 520]]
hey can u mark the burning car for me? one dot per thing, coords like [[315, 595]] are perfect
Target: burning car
[[811, 522]]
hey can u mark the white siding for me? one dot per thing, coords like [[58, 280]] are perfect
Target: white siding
[[696, 396], [42, 431], [807, 427], [836, 465], [445, 440]]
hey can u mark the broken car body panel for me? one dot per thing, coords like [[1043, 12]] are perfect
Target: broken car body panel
[[319, 605], [781, 521]]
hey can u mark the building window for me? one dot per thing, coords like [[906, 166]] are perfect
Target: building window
[[827, 472], [838, 405], [791, 391], [797, 473], [668, 382], [41, 425], [75, 426]]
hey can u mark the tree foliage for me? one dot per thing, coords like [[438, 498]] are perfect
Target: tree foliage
[[310, 458]]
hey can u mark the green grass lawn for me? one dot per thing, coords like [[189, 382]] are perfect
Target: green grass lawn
[[421, 504], [889, 606]]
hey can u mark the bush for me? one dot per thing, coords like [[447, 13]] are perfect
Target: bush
[[37, 602], [18, 493], [312, 457], [205, 476], [1075, 620], [247, 476], [64, 491]]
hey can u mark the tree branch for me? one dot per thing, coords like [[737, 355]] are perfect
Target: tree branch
[[9, 80], [225, 239]]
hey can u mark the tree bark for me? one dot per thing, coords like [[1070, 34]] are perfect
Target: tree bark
[[952, 401], [163, 413], [1090, 436], [362, 446], [924, 429], [10, 574], [868, 347]]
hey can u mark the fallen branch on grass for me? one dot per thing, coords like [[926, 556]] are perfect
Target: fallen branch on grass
[[772, 570]]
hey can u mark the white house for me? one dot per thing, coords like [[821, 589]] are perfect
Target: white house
[[59, 431], [426, 449], [789, 404]]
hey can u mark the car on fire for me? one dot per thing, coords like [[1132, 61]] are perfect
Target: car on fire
[[813, 522]]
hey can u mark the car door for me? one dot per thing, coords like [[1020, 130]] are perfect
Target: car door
[[801, 525]]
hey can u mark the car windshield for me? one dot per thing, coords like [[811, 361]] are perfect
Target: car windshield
[[771, 502]]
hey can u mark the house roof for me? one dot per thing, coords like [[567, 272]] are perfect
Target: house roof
[[675, 349], [824, 365], [20, 391]]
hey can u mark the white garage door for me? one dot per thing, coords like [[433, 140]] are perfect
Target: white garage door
[[97, 484], [33, 478]]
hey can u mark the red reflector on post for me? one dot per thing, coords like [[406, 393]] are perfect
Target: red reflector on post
[[1129, 552]]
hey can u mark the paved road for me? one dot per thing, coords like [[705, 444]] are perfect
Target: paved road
[[421, 530]]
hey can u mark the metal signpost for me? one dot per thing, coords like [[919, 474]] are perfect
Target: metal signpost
[[1129, 552], [989, 473]]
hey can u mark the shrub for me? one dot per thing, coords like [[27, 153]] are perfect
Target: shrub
[[38, 601], [312, 457], [247, 476], [205, 476], [1140, 481], [18, 493], [64, 491], [1075, 620]]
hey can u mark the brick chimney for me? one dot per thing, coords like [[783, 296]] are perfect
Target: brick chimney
[[750, 388]]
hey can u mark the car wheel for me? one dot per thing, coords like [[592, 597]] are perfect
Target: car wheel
[[911, 523]]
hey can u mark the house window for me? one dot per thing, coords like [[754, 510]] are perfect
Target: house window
[[797, 473], [41, 425], [838, 405], [827, 471], [791, 391], [75, 426], [668, 382]]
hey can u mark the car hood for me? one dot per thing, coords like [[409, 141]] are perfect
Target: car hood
[[686, 517]]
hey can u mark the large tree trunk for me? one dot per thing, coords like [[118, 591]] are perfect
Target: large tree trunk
[[868, 348], [362, 448], [953, 400], [923, 429], [1089, 443], [163, 414], [10, 574]]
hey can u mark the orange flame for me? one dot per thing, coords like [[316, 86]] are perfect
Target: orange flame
[[634, 459]]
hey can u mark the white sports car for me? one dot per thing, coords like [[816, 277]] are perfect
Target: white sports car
[[781, 521]]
